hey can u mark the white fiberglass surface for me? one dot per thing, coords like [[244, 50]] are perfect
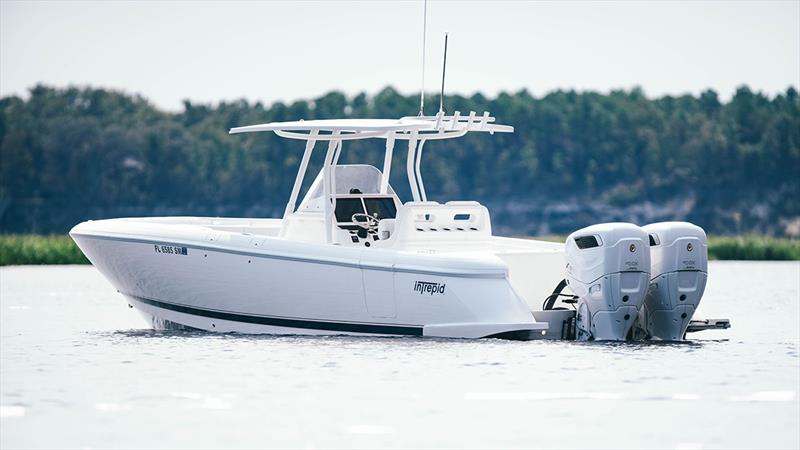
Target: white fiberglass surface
[[80, 369]]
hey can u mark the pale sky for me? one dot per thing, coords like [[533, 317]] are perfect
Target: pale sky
[[276, 50]]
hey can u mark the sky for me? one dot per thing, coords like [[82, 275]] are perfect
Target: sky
[[283, 51]]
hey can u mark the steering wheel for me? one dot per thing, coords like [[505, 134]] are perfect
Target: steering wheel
[[365, 221]]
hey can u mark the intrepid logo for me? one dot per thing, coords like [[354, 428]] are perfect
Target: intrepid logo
[[427, 287]]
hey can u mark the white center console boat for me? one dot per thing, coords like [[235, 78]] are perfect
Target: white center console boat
[[352, 258]]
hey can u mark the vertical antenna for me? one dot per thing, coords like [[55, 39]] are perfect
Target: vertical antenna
[[444, 66], [424, 32]]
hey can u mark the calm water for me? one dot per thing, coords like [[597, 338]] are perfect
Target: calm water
[[78, 369]]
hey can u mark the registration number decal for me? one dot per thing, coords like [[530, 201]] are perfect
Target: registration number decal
[[170, 250]]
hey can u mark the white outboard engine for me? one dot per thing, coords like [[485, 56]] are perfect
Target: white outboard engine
[[679, 269], [608, 268]]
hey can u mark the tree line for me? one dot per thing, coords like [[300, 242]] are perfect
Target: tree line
[[71, 154]]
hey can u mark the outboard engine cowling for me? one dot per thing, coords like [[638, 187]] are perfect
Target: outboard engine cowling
[[608, 268], [679, 270]]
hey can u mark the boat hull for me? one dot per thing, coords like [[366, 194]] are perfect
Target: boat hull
[[238, 283], [165, 316]]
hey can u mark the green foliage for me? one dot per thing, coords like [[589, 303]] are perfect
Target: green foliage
[[752, 247], [18, 249], [67, 155]]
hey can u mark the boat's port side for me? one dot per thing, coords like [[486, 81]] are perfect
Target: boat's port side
[[224, 281], [198, 274]]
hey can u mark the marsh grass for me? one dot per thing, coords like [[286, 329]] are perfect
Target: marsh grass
[[753, 247], [20, 249]]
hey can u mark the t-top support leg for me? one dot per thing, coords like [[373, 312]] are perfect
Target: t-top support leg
[[327, 174], [410, 159]]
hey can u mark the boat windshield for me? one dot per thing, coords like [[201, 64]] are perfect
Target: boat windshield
[[346, 207], [378, 207], [381, 208]]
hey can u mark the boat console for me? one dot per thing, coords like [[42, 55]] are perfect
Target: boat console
[[366, 217], [360, 215]]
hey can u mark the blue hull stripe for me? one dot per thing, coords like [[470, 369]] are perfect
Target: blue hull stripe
[[288, 323]]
